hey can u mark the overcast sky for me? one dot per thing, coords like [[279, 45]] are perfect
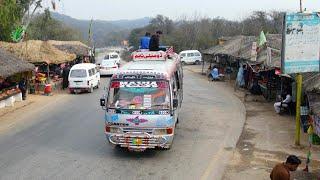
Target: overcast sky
[[175, 9]]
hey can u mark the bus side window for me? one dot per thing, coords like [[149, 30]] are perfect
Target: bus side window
[[174, 86], [177, 79]]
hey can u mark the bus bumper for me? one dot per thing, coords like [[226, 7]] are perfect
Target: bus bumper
[[140, 142]]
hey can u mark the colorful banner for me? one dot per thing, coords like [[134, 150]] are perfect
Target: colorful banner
[[301, 45]]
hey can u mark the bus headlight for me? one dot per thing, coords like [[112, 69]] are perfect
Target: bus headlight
[[113, 129], [160, 132]]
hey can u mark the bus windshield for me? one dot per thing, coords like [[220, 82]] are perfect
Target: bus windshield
[[139, 95]]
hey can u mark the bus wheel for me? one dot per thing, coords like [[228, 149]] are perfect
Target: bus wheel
[[98, 85]]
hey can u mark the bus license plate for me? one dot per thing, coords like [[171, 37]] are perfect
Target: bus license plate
[[137, 141]]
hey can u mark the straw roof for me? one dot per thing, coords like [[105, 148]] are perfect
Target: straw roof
[[311, 86], [72, 47], [36, 51], [314, 103], [240, 47], [10, 64], [237, 46], [311, 82]]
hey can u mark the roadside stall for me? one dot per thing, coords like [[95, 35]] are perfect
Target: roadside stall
[[49, 62], [14, 75], [230, 54], [311, 88]]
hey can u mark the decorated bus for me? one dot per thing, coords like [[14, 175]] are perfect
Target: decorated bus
[[143, 101]]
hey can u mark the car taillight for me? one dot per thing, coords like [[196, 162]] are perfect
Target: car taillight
[[115, 84], [107, 128], [114, 67], [169, 130]]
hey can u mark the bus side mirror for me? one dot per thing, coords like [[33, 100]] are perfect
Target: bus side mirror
[[175, 103]]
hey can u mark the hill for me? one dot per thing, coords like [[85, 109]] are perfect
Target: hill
[[105, 33]]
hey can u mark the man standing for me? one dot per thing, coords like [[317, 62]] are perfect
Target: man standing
[[282, 171], [65, 75], [155, 41], [23, 88], [144, 41]]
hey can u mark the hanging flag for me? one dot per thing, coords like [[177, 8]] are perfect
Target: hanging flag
[[17, 34], [262, 39], [169, 50]]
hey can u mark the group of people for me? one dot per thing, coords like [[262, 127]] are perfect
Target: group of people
[[151, 43], [284, 101]]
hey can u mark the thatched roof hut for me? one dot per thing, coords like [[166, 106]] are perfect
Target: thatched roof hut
[[311, 82], [35, 51], [311, 85], [10, 64], [72, 47], [240, 47], [237, 46]]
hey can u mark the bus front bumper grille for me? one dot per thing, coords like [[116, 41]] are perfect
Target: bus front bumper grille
[[140, 141]]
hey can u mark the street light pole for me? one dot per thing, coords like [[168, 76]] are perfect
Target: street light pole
[[301, 10]]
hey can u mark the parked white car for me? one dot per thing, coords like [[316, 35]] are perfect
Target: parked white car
[[190, 57], [108, 67], [84, 77], [113, 56]]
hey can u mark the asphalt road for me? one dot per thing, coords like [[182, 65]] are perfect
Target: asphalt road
[[66, 140]]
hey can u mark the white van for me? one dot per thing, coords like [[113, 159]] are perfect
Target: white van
[[190, 57], [84, 77]]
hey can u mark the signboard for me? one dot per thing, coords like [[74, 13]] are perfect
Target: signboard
[[139, 84], [149, 55], [301, 43]]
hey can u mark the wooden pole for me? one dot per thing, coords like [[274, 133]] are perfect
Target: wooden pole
[[298, 104]]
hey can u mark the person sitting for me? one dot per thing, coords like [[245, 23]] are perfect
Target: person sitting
[[284, 103], [215, 74], [144, 41]]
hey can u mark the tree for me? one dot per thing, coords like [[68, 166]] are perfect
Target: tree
[[10, 16], [202, 33]]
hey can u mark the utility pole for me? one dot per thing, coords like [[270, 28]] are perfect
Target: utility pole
[[298, 101]]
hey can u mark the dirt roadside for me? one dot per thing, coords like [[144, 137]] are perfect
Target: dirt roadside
[[266, 139]]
